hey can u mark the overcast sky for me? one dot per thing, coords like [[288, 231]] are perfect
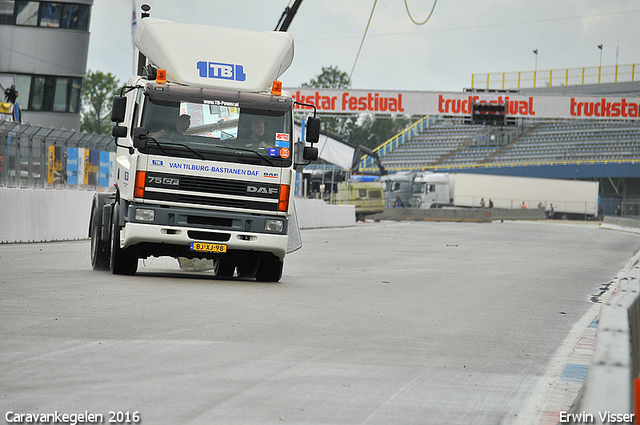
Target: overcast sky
[[461, 38]]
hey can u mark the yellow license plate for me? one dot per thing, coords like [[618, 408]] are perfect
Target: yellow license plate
[[208, 247]]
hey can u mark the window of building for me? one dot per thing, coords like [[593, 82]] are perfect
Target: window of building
[[61, 94], [23, 85], [37, 91], [6, 11], [50, 16], [75, 16], [42, 93], [47, 93], [27, 13], [74, 95], [44, 14]]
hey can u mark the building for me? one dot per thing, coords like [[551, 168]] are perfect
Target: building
[[43, 51]]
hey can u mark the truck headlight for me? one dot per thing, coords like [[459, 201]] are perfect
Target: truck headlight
[[144, 214], [275, 226]]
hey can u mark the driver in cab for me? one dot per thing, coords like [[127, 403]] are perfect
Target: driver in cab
[[257, 139]]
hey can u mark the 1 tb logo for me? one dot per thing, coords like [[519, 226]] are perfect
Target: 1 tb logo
[[224, 71]]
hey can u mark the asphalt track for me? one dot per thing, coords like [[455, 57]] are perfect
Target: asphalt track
[[381, 323]]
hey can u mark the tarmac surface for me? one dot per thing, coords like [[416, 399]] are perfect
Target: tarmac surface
[[381, 323]]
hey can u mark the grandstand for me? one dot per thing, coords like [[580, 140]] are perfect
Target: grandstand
[[448, 144], [603, 150]]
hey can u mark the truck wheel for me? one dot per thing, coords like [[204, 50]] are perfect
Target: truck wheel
[[269, 269], [99, 248], [247, 267], [226, 268], [123, 261]]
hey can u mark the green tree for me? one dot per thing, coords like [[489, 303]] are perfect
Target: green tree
[[97, 95], [330, 78], [372, 131]]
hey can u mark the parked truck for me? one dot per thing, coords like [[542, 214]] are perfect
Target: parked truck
[[435, 190], [366, 196], [206, 157]]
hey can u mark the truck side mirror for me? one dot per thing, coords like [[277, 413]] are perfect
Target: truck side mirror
[[119, 131], [310, 154], [140, 137], [313, 129], [118, 109]]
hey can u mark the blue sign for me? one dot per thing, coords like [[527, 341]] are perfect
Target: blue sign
[[72, 166], [103, 179], [223, 71]]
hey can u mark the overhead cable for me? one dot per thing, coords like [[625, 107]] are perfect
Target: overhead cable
[[411, 17]]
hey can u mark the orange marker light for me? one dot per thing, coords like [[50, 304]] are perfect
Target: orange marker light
[[636, 399], [161, 76], [138, 189], [283, 205], [276, 88]]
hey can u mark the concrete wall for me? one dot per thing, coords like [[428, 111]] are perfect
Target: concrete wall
[[41, 215], [616, 359], [461, 214], [315, 213], [621, 224]]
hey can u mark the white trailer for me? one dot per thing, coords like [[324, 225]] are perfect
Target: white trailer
[[472, 190]]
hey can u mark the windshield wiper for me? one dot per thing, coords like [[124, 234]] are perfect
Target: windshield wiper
[[175, 144], [258, 154]]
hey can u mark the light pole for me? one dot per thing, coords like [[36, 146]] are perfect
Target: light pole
[[600, 47], [600, 67], [535, 52]]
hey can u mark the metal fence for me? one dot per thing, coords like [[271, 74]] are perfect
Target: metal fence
[[619, 207], [38, 157], [556, 77]]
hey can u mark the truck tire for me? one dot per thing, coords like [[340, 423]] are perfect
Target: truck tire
[[247, 266], [226, 268], [99, 247], [269, 269], [123, 261]]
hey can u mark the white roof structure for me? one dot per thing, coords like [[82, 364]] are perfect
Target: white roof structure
[[215, 57]]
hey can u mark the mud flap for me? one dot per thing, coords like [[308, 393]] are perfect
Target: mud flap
[[295, 238]]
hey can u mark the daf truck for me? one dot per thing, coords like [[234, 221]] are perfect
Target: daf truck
[[206, 157]]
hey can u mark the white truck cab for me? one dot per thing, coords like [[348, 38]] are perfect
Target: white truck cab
[[431, 190], [206, 157]]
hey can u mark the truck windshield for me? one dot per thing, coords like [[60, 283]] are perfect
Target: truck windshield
[[218, 130], [423, 188], [419, 187]]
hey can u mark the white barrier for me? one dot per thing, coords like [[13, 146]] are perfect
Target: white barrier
[[315, 213], [608, 388], [43, 215]]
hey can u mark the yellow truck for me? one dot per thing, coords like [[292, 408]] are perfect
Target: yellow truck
[[368, 197]]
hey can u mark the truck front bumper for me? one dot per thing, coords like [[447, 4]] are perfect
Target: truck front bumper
[[182, 226]]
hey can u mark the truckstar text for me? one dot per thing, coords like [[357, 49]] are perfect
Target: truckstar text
[[372, 102], [457, 106], [605, 109]]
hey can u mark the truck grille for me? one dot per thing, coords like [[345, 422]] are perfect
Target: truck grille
[[212, 192]]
